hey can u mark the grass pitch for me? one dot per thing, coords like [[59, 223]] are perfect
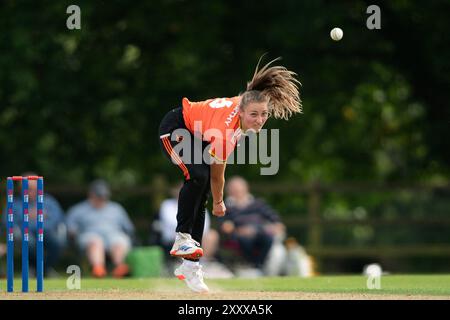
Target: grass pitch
[[321, 287]]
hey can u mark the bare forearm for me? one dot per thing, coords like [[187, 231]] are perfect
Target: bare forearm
[[217, 185], [217, 181]]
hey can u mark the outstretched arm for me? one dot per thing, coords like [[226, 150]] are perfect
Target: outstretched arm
[[217, 185]]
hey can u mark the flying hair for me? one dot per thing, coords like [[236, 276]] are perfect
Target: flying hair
[[279, 86]]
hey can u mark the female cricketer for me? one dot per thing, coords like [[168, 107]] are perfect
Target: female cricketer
[[213, 128]]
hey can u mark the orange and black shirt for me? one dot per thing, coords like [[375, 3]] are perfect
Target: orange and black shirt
[[216, 121]]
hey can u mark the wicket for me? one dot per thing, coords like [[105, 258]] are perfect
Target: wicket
[[25, 226]]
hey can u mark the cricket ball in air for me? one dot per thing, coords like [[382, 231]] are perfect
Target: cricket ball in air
[[336, 34]]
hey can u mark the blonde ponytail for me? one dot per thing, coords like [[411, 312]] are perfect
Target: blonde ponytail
[[277, 84]]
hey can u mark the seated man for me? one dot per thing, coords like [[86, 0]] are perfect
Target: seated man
[[251, 222], [101, 226]]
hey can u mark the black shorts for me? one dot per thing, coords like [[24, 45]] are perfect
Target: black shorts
[[172, 121]]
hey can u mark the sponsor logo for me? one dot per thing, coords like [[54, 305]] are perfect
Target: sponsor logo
[[231, 116]]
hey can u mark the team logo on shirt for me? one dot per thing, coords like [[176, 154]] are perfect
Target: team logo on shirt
[[232, 115]]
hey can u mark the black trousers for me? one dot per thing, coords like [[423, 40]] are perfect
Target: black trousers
[[196, 189]]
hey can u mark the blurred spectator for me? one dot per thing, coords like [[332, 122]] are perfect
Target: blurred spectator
[[54, 227], [166, 224], [99, 227], [298, 262], [255, 226]]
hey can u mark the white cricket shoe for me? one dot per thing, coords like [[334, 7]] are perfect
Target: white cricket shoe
[[193, 276], [186, 247]]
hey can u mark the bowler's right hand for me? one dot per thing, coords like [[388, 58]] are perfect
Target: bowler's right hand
[[219, 209]]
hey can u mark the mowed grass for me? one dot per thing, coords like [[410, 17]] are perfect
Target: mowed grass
[[390, 284]]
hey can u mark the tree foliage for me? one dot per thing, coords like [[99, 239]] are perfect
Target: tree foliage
[[75, 104]]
